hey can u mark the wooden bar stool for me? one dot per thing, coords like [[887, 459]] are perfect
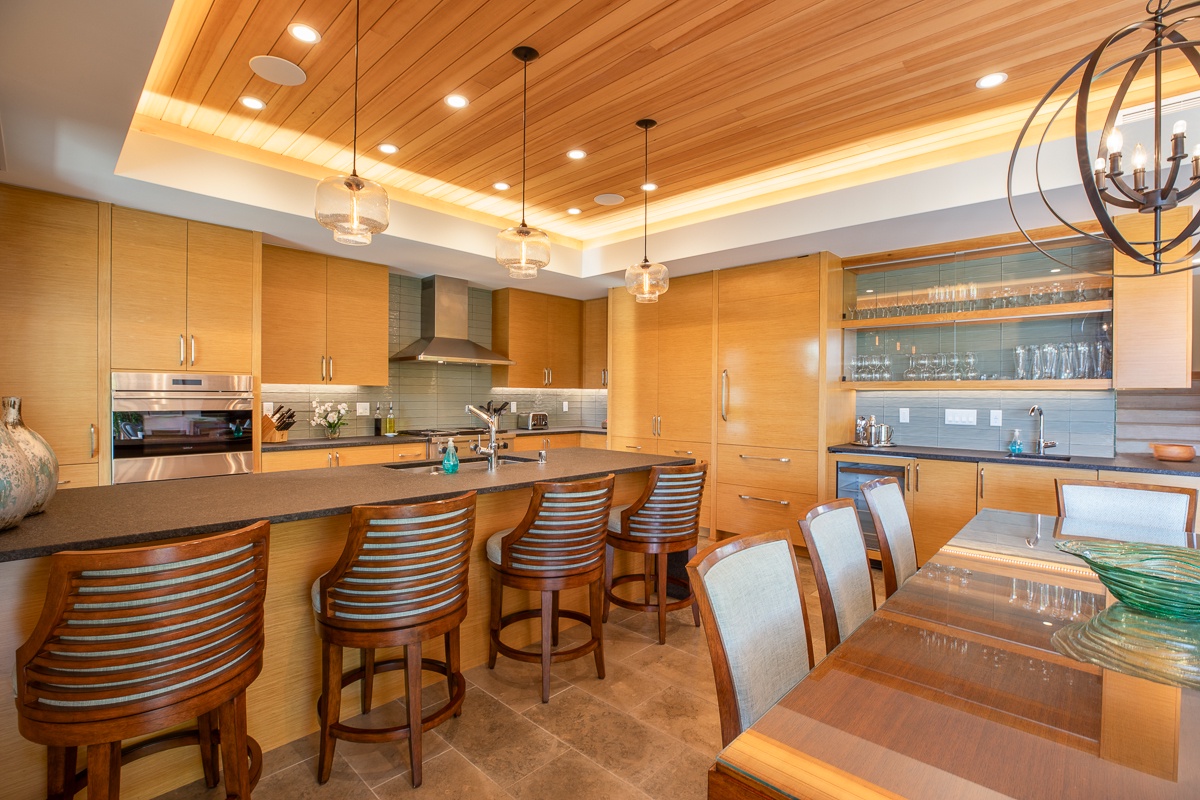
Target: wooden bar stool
[[665, 519], [132, 642], [400, 581], [558, 545]]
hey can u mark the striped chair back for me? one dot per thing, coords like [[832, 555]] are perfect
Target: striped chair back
[[124, 632], [563, 531], [670, 506], [402, 565]]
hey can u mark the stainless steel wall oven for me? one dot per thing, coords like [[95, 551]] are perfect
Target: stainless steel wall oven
[[181, 425]]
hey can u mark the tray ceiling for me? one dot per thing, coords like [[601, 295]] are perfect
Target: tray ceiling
[[757, 101]]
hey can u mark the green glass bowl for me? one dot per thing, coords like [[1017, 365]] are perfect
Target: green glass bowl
[[1159, 579]]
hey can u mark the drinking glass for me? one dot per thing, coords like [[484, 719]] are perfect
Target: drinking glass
[[970, 360], [911, 373], [1037, 295], [874, 362], [1080, 295], [952, 360], [941, 368], [885, 368], [1102, 358], [1021, 359], [1066, 361], [1049, 361], [1056, 293], [1035, 362], [925, 366], [1084, 366]]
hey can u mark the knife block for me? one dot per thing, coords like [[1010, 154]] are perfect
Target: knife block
[[269, 434]]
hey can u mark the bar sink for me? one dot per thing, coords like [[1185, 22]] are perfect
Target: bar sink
[[1036, 457], [471, 464]]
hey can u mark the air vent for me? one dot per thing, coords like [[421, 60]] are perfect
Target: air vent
[[1171, 105]]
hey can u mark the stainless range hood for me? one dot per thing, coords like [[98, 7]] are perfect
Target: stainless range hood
[[444, 327]]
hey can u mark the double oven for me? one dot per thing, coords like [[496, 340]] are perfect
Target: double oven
[[181, 425]]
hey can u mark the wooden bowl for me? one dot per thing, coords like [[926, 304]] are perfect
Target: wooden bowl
[[1173, 452]]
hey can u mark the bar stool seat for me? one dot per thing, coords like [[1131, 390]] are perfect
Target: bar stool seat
[[401, 580], [664, 520], [133, 642], [558, 545]]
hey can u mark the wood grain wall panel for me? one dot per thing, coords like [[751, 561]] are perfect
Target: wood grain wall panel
[[633, 384], [685, 342], [149, 291]]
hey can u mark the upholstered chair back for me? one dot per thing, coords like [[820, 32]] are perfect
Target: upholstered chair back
[[897, 548]]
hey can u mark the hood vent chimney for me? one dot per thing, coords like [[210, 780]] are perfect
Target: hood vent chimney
[[444, 327]]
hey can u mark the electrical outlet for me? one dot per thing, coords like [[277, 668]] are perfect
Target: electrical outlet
[[904, 415], [512, 406], [960, 416], [268, 408], [564, 405], [997, 418], [362, 409]]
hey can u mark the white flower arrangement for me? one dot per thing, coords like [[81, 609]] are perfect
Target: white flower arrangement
[[329, 417]]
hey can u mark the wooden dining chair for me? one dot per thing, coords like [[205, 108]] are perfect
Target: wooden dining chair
[[400, 581], [839, 558], [1134, 504], [558, 545], [897, 548], [133, 642], [664, 520], [752, 604]]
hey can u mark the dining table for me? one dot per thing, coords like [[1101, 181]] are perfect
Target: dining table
[[954, 689]]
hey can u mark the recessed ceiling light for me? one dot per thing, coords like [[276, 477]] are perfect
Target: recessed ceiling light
[[991, 80], [649, 187], [304, 33], [390, 149], [456, 101], [253, 103], [574, 211], [609, 199], [576, 154], [277, 70], [501, 186]]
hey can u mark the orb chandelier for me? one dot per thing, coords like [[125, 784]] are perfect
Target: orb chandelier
[[523, 250], [1161, 180], [646, 280], [351, 207]]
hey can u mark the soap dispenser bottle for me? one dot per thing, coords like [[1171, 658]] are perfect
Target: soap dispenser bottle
[[450, 460], [1015, 446]]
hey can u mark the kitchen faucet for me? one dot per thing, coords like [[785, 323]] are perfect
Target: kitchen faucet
[[1039, 446], [493, 446]]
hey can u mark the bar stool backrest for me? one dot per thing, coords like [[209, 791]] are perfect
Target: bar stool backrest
[[670, 506], [839, 558], [897, 547], [402, 565], [124, 632], [563, 531]]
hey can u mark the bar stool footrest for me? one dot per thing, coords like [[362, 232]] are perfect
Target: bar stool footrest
[[556, 656], [351, 733], [674, 605]]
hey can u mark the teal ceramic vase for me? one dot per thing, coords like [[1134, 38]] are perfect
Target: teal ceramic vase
[[18, 488], [37, 450]]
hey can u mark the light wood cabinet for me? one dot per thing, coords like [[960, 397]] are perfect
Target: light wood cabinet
[[78, 476], [633, 383], [596, 441], [49, 270], [595, 344], [764, 483], [409, 451], [324, 320], [1022, 487], [542, 334], [182, 294], [942, 500], [551, 441], [1152, 479], [330, 457]]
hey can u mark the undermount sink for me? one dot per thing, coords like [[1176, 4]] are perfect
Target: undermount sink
[[1036, 457], [471, 464]]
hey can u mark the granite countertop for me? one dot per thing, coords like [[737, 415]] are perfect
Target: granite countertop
[[137, 513], [363, 441], [1122, 463]]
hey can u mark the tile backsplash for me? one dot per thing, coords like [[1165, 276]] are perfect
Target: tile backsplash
[[434, 395], [1083, 423]]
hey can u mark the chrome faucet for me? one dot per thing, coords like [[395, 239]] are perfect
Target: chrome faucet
[[493, 446], [1039, 446]]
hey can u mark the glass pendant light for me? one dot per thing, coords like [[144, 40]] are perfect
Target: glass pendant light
[[349, 206], [523, 250], [647, 280]]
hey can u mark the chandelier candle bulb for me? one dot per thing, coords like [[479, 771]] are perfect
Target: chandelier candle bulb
[[1100, 172], [1196, 163], [1178, 133]]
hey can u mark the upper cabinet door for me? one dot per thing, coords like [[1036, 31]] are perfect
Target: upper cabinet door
[[220, 298], [595, 344], [564, 322], [357, 323], [685, 341], [519, 333], [149, 291], [633, 385], [768, 353], [293, 316]]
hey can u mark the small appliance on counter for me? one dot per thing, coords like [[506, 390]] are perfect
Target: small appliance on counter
[[538, 420], [870, 433]]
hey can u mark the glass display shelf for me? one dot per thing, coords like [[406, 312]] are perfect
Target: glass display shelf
[[982, 315]]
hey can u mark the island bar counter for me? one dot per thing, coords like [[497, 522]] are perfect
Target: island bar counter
[[309, 517]]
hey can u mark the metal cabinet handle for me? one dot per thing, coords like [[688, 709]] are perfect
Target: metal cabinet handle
[[633, 447], [725, 395], [331, 368], [604, 377], [322, 367], [684, 453], [95, 443], [551, 371], [917, 486], [193, 350], [908, 475], [981, 482], [181, 351], [764, 499], [764, 458], [329, 459], [63, 483], [337, 458]]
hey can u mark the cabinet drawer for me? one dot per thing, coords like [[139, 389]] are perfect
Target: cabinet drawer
[[74, 476], [554, 440], [284, 460], [630, 445], [1184, 481], [357, 456], [410, 451], [768, 467], [598, 441], [751, 509], [701, 451]]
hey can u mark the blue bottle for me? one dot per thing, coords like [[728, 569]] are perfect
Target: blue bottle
[[450, 459], [1015, 446]]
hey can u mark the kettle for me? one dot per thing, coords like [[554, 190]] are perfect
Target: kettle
[[879, 435]]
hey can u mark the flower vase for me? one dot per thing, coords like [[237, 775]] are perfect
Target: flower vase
[[333, 433], [37, 450], [18, 486]]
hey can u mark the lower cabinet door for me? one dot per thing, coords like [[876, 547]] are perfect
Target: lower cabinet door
[[597, 441], [284, 460], [1022, 487], [75, 476], [409, 451], [942, 501], [629, 445], [533, 443], [357, 456]]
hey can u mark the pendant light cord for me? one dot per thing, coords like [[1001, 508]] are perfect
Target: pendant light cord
[[354, 145], [646, 199], [524, 127]]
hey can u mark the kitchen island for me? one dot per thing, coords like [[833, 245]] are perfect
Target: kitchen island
[[308, 510]]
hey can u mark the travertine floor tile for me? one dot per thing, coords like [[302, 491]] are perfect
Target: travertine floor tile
[[685, 716], [681, 776], [574, 776], [622, 686], [448, 776], [677, 668], [498, 740], [515, 683]]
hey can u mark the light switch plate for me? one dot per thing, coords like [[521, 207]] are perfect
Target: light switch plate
[[362, 409], [512, 406], [268, 407], [564, 405], [904, 415], [960, 416], [997, 418]]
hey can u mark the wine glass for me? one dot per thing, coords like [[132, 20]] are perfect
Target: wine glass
[[970, 361], [952, 361], [911, 374], [925, 366]]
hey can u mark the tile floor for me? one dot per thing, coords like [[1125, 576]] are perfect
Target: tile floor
[[650, 729]]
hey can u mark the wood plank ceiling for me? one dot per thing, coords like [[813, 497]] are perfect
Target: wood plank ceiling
[[757, 100]]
